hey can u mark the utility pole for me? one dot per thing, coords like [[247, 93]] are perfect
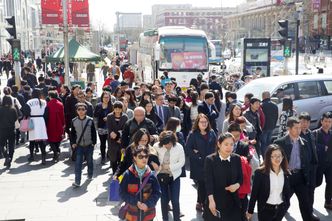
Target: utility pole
[[65, 40], [297, 49]]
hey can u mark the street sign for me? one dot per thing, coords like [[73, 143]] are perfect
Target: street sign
[[16, 49], [288, 49]]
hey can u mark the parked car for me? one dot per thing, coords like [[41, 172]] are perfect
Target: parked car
[[310, 93]]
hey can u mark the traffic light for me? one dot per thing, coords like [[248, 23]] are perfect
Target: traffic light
[[16, 49], [288, 48], [11, 30], [283, 31]]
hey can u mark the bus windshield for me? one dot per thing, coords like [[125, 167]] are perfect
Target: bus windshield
[[183, 53], [217, 44]]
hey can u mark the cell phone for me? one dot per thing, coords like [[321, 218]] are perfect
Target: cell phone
[[218, 214]]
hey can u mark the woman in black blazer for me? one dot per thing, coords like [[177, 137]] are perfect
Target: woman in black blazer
[[223, 177], [271, 186]]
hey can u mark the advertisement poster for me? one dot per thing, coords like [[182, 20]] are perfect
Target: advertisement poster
[[80, 13], [257, 55], [51, 12], [189, 60]]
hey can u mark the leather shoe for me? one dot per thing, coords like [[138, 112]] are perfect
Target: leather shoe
[[314, 218], [328, 206]]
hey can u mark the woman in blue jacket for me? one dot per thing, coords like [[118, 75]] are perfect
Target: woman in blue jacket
[[201, 142], [141, 205]]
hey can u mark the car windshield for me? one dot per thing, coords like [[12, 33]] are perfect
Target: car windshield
[[257, 87]]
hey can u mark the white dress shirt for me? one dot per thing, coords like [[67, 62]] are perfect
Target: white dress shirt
[[228, 158], [276, 187]]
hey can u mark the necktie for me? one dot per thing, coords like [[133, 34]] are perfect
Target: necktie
[[161, 114]]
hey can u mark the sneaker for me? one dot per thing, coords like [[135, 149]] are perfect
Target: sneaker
[[89, 178], [75, 184]]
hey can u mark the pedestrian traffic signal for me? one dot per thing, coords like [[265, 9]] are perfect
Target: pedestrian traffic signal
[[283, 31], [11, 30], [288, 48], [16, 49]]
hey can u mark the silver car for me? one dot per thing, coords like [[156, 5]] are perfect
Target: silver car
[[310, 93]]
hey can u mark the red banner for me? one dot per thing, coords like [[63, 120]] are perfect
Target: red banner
[[80, 13], [51, 11]]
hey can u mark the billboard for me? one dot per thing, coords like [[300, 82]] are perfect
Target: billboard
[[51, 12], [80, 13], [188, 60]]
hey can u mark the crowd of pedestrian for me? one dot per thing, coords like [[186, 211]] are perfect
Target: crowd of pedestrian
[[148, 132]]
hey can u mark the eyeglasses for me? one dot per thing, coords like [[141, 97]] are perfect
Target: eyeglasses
[[142, 156], [279, 157], [81, 109]]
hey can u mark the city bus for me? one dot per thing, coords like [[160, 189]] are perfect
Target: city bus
[[180, 51]]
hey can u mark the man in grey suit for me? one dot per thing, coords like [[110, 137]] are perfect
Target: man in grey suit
[[162, 110]]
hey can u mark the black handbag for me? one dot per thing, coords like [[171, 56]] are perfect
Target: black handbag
[[164, 178]]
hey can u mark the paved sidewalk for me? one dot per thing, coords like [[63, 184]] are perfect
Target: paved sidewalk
[[35, 192]]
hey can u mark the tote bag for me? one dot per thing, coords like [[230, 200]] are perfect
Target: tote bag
[[24, 125], [114, 188]]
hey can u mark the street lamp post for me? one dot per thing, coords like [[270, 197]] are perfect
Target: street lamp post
[[65, 39]]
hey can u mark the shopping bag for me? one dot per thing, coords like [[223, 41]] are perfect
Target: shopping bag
[[31, 124], [24, 125], [114, 188]]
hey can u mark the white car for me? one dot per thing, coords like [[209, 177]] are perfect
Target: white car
[[310, 93]]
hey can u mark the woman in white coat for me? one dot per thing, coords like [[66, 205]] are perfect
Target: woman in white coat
[[36, 109], [172, 159]]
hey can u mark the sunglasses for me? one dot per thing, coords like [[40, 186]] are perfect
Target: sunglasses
[[142, 156], [81, 109]]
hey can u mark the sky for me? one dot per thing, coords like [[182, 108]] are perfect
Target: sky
[[102, 12]]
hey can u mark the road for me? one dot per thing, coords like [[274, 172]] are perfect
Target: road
[[35, 192]]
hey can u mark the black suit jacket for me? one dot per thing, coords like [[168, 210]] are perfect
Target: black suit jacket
[[212, 115], [214, 186], [261, 191], [305, 155]]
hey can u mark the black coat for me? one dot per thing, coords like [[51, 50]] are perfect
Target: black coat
[[261, 191], [324, 157], [305, 155], [197, 142], [70, 109], [132, 126], [214, 186], [270, 109], [101, 113], [212, 115]]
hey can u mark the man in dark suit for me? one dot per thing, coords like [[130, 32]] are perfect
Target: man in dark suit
[[240, 147], [323, 137], [307, 134], [270, 109], [173, 109], [297, 151], [209, 109], [162, 110]]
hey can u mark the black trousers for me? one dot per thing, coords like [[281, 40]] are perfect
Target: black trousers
[[201, 192], [55, 146], [244, 207], [103, 139], [7, 137], [301, 190], [272, 214], [325, 170], [36, 144], [232, 214]]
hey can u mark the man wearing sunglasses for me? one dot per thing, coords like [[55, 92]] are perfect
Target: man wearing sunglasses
[[83, 138]]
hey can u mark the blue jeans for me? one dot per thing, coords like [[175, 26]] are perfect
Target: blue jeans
[[265, 140], [170, 192], [80, 153]]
